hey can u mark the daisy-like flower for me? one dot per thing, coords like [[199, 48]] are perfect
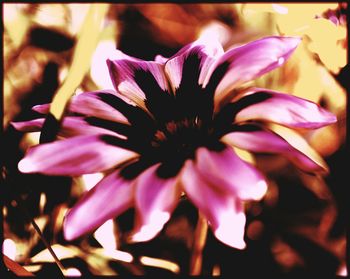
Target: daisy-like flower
[[170, 128]]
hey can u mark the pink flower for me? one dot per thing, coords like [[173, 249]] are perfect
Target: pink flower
[[170, 128]]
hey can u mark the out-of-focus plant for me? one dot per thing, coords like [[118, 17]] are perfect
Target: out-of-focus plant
[[323, 29]]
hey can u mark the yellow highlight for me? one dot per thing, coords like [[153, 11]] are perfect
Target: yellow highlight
[[42, 202], [299, 143], [245, 155], [160, 263], [70, 251], [303, 10], [62, 252], [313, 81], [216, 270], [295, 19], [16, 23], [87, 42], [116, 254]]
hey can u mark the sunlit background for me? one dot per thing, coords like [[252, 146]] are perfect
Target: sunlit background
[[298, 227]]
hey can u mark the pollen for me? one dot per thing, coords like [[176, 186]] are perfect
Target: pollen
[[159, 137]]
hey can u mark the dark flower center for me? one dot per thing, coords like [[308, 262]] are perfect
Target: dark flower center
[[182, 122], [179, 138], [171, 141]]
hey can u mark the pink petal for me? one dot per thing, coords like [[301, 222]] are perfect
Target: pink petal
[[285, 109], [71, 126], [224, 212], [227, 172], [74, 156], [29, 126], [76, 126], [155, 199], [160, 59], [90, 104], [123, 71], [108, 199], [44, 108], [265, 141], [207, 53], [250, 61]]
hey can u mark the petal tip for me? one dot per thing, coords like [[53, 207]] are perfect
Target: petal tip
[[232, 235], [69, 232], [69, 236], [259, 190], [230, 239], [145, 233], [42, 109], [15, 125], [332, 118], [293, 41], [26, 166], [148, 231]]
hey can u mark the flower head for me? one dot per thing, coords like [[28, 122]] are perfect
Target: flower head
[[171, 127]]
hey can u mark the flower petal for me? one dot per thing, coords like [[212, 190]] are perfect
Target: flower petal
[[93, 104], [33, 125], [71, 126], [224, 212], [186, 71], [96, 104], [250, 61], [109, 198], [77, 126], [289, 143], [229, 173], [160, 59], [138, 80], [74, 156], [43, 109], [283, 109], [112, 111], [204, 51], [155, 199]]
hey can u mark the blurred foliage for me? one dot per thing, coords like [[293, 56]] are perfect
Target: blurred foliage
[[297, 228]]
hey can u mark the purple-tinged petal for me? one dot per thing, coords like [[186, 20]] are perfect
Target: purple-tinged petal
[[155, 200], [124, 74], [250, 61], [284, 109], [92, 104], [77, 126], [43, 109], [207, 52], [160, 59], [229, 173], [71, 126], [74, 156], [289, 144], [224, 212], [34, 125], [109, 198]]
